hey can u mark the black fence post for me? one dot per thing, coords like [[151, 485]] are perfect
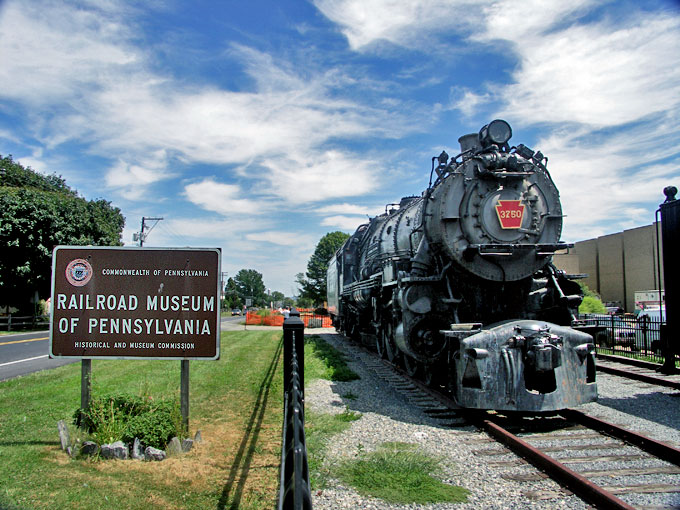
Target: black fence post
[[670, 226], [294, 491], [298, 328]]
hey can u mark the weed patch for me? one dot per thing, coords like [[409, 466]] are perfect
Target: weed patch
[[126, 417], [323, 361], [319, 428], [398, 473]]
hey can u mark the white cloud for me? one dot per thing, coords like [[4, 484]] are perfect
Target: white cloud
[[283, 238], [597, 74], [404, 23], [603, 90], [467, 101], [222, 198], [346, 208], [331, 174], [59, 49], [522, 21], [101, 92], [223, 229], [132, 179], [346, 223], [602, 184]]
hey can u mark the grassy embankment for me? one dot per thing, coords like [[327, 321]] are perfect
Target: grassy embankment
[[395, 472], [236, 402]]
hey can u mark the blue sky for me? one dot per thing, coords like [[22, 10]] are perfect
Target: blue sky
[[260, 126]]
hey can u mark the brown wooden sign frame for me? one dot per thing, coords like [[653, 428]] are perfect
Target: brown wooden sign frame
[[135, 303]]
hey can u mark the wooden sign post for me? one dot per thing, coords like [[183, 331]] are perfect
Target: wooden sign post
[[135, 303]]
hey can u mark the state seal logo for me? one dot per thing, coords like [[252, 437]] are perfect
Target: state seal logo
[[78, 272]]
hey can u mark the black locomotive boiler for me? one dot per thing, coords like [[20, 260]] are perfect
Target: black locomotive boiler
[[457, 285]]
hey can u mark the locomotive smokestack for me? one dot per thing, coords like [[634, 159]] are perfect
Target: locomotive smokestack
[[469, 142]]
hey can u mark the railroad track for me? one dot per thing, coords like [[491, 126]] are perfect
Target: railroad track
[[598, 461]]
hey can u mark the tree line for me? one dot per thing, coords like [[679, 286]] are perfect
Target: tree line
[[249, 284], [39, 212]]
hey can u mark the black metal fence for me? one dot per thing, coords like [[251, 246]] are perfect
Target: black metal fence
[[294, 492], [628, 336]]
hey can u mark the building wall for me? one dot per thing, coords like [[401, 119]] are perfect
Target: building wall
[[610, 268], [617, 265], [639, 248], [586, 251], [567, 262]]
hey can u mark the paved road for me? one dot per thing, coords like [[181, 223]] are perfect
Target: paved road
[[25, 353]]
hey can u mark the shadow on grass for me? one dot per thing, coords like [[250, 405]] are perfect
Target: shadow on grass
[[6, 505], [335, 361], [29, 443], [240, 468]]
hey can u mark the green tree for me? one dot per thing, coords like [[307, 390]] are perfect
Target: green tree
[[277, 297], [313, 283], [250, 285], [231, 295], [591, 301], [304, 302], [37, 213]]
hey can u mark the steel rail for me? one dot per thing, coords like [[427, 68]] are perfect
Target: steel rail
[[649, 379], [585, 489], [590, 492], [647, 444], [582, 487]]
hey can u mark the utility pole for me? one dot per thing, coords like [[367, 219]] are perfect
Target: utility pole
[[141, 236]]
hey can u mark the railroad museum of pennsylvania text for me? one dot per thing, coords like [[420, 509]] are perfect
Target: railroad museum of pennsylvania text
[[135, 325]]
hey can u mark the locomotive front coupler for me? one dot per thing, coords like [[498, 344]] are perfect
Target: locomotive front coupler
[[542, 351]]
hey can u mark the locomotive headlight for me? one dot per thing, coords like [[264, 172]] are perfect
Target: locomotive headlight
[[497, 132]]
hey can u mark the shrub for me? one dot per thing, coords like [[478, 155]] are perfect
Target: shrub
[[124, 417], [591, 304], [155, 427]]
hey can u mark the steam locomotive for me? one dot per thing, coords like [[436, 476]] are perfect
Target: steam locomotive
[[458, 286]]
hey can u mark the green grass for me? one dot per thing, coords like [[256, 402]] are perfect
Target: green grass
[[236, 402], [322, 361], [319, 428], [398, 473], [633, 355], [325, 362]]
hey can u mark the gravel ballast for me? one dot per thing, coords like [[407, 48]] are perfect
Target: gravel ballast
[[388, 416]]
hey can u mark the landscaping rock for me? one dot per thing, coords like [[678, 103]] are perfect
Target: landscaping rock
[[198, 438], [152, 453], [64, 436], [187, 445], [117, 450], [106, 451], [89, 448], [137, 453], [174, 447]]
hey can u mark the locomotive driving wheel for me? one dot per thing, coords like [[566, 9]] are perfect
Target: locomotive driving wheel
[[380, 344], [412, 366], [433, 374], [390, 347]]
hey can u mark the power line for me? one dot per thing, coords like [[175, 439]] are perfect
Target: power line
[[141, 236]]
